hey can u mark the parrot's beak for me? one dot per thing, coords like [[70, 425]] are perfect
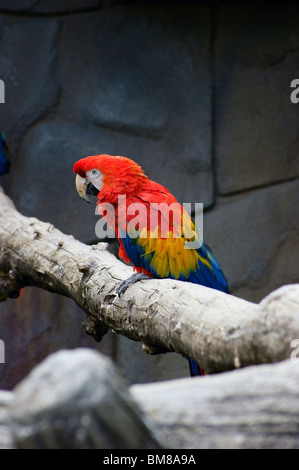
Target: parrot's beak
[[81, 186], [85, 188]]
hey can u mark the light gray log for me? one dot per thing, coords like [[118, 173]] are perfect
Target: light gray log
[[220, 331], [77, 400], [256, 407]]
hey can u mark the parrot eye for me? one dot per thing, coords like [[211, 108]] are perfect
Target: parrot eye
[[94, 177]]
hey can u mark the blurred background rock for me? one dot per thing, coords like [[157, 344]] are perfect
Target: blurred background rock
[[196, 92]]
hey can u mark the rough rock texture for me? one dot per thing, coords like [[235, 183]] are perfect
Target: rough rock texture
[[268, 219], [197, 92], [253, 408], [256, 58], [37, 324], [31, 81], [95, 412]]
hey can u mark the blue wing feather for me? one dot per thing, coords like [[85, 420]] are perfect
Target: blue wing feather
[[212, 276]]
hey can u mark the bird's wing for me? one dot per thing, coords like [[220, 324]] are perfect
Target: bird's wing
[[175, 251]]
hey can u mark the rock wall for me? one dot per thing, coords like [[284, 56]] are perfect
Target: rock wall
[[198, 93]]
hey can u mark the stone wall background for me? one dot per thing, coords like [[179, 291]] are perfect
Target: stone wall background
[[198, 93]]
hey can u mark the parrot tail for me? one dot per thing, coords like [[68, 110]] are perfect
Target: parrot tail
[[194, 368]]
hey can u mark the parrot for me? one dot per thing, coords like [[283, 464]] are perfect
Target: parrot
[[157, 244], [4, 155]]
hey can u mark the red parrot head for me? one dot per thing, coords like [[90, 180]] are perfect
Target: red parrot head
[[107, 176]]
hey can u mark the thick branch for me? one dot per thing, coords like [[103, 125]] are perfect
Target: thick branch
[[256, 407], [221, 331], [253, 408]]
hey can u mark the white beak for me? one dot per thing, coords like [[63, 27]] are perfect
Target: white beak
[[81, 185]]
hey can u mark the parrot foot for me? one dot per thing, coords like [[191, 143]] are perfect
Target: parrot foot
[[122, 287]]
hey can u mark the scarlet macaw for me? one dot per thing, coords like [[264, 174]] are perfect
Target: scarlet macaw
[[153, 250], [4, 155]]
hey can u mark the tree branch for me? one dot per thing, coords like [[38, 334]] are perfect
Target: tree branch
[[253, 408], [220, 331]]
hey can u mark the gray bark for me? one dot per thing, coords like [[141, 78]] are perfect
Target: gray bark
[[220, 331], [253, 408], [77, 400]]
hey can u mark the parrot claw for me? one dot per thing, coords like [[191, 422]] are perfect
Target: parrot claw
[[122, 287]]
